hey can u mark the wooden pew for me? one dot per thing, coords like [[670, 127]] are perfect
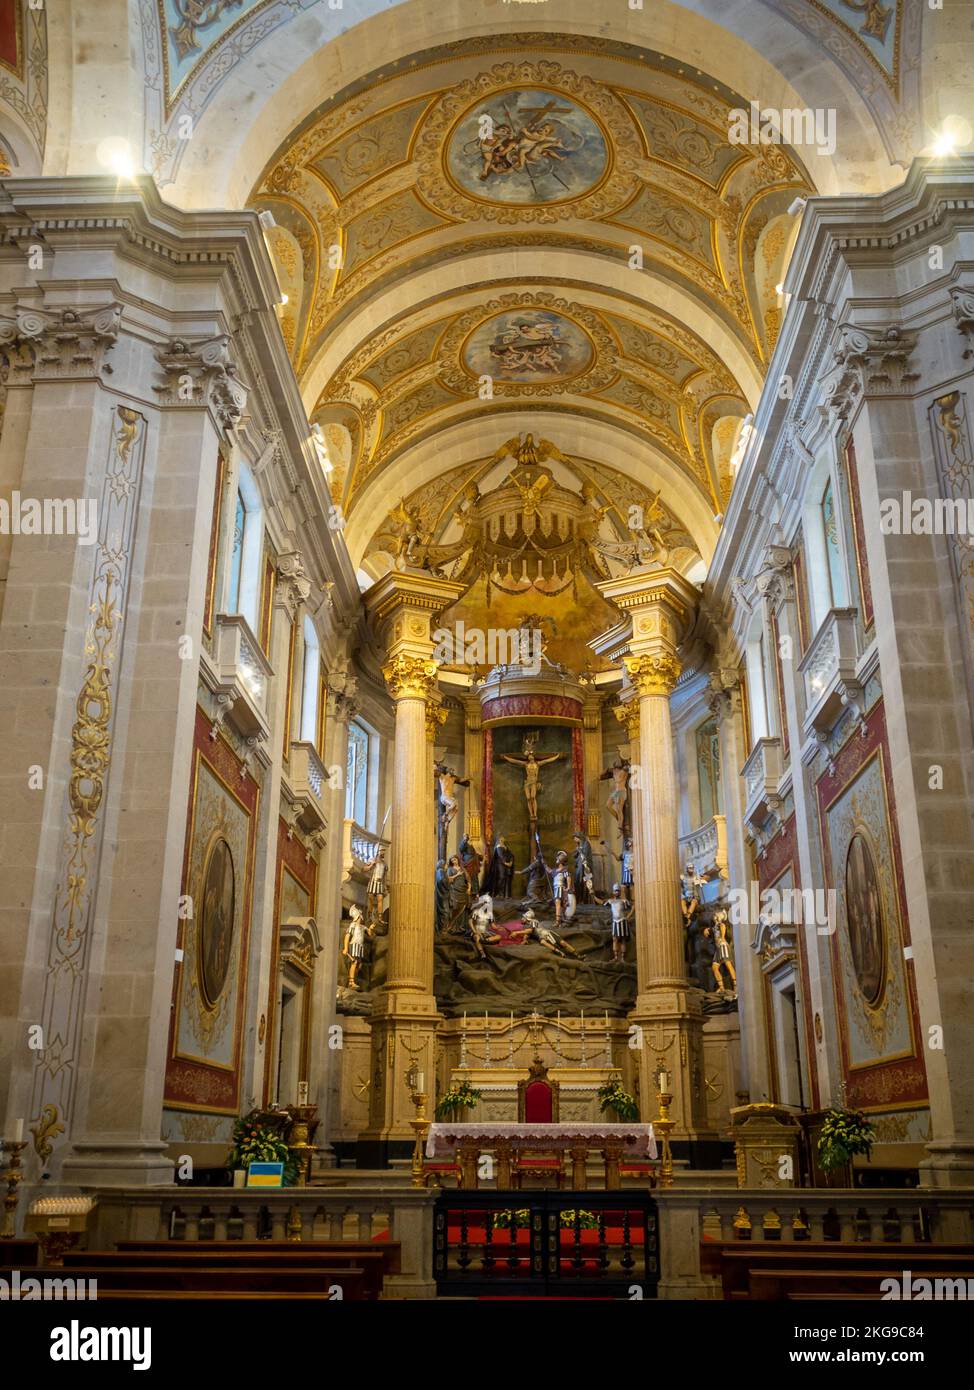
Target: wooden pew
[[231, 1281], [735, 1262], [371, 1262], [391, 1250]]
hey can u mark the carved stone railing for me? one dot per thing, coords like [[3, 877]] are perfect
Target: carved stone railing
[[761, 774], [904, 1217], [894, 1216], [188, 1214], [359, 848], [828, 669], [238, 674], [706, 848], [308, 782]]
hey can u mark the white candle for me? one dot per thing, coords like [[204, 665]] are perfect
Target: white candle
[[664, 1081], [302, 1092], [18, 1131], [420, 1082]]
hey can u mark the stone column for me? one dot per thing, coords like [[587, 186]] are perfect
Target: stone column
[[726, 707], [402, 606], [667, 1011]]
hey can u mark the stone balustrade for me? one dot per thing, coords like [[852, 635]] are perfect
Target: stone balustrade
[[898, 1216], [364, 1209], [363, 1213], [829, 671], [706, 848]]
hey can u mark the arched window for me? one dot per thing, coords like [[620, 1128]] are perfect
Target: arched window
[[310, 684], [243, 592]]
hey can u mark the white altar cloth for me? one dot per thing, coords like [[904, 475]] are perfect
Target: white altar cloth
[[638, 1140]]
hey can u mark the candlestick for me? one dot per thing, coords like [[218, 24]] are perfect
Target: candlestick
[[584, 1056], [663, 1125], [420, 1127]]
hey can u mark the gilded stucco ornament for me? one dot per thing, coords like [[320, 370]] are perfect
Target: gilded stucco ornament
[[559, 90], [653, 675], [410, 677]]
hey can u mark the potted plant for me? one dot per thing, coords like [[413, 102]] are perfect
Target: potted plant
[[844, 1133], [616, 1102], [460, 1097], [255, 1142]]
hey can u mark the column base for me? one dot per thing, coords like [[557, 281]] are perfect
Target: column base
[[106, 1164], [403, 1035], [950, 1163], [671, 1021]]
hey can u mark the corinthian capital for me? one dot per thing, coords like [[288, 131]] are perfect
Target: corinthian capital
[[60, 342], [436, 717], [628, 714], [200, 372], [868, 362], [962, 303], [410, 677], [653, 674]]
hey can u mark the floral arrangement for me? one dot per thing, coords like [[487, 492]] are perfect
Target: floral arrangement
[[844, 1133], [613, 1097], [254, 1142], [460, 1096]]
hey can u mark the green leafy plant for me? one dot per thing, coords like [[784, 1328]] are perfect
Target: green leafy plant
[[613, 1097], [460, 1096], [254, 1142], [844, 1133]]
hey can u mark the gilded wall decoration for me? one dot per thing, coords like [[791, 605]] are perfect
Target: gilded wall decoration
[[210, 986], [295, 893], [90, 759]]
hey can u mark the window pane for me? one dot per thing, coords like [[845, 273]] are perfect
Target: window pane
[[830, 525], [236, 559], [357, 774]]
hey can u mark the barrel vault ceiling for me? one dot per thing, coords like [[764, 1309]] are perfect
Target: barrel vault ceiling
[[611, 259]]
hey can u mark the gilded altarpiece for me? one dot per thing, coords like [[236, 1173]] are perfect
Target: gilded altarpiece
[[205, 1044], [875, 994]]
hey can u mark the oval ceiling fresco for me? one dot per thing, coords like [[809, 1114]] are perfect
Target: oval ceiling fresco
[[525, 345], [526, 146]]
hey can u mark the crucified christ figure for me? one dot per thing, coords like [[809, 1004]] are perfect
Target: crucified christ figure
[[532, 784]]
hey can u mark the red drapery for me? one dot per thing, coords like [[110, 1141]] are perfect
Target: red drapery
[[487, 809]]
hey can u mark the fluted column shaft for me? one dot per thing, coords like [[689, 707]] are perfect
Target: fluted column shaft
[[410, 882], [659, 923]]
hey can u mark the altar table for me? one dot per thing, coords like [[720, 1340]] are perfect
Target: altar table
[[506, 1140]]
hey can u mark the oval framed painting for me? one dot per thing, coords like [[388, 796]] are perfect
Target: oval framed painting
[[527, 345], [215, 932], [527, 147], [865, 922]]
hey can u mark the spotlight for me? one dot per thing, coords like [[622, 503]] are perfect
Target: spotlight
[[115, 154], [954, 134]]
